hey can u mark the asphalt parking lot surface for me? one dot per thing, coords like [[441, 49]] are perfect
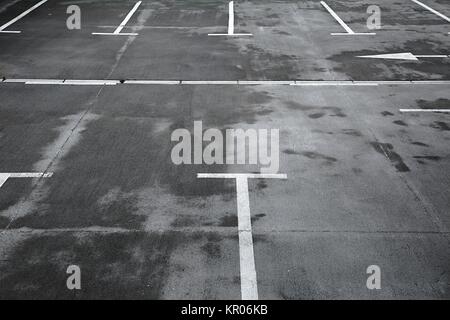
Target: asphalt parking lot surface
[[367, 183]]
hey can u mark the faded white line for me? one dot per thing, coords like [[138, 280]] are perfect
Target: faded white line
[[426, 110], [333, 83], [20, 16], [432, 10], [150, 82], [350, 32], [209, 82], [230, 31], [353, 34], [242, 175], [4, 176], [122, 25], [230, 35], [249, 284], [115, 34]]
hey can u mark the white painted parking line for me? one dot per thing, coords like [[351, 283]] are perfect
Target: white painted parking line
[[20, 16], [230, 35], [64, 82], [242, 175], [150, 82], [91, 82], [264, 82], [230, 32], [432, 10], [212, 82], [426, 110], [318, 83], [115, 34], [335, 83], [122, 25], [4, 176], [349, 32], [44, 81], [249, 284], [403, 56]]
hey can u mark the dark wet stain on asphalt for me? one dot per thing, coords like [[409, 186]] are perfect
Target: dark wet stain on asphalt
[[432, 158], [316, 115], [336, 112], [290, 151], [418, 143], [258, 216], [283, 33], [387, 150], [400, 123], [351, 132], [212, 250], [3, 222], [312, 155], [262, 184], [440, 125], [318, 156], [229, 221], [114, 266], [297, 106], [183, 221], [319, 111], [436, 104]]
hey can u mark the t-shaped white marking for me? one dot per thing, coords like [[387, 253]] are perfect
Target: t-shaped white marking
[[249, 286], [5, 176]]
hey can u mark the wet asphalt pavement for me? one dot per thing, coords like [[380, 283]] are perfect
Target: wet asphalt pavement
[[366, 184]]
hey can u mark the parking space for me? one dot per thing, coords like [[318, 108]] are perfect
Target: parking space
[[367, 170]]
